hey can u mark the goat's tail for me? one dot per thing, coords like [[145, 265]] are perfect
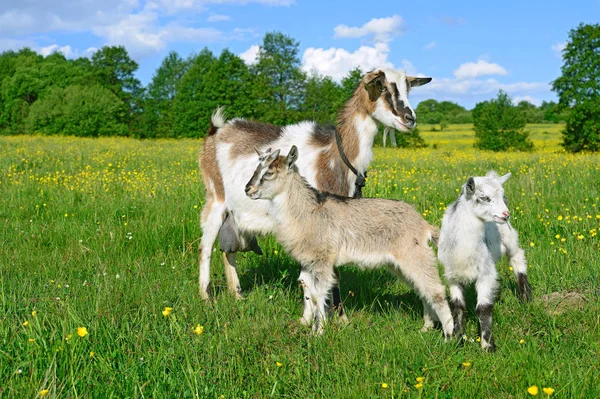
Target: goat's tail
[[217, 121], [434, 235]]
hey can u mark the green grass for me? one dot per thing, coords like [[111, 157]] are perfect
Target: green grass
[[103, 234]]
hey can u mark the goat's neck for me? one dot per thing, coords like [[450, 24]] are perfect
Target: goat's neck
[[294, 203], [358, 129], [469, 224]]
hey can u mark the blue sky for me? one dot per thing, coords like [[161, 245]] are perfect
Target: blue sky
[[471, 49]]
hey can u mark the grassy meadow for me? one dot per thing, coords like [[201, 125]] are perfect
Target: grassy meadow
[[99, 282]]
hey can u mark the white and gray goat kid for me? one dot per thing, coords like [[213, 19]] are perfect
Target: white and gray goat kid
[[475, 234], [322, 231]]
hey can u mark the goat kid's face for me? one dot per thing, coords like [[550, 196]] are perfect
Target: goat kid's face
[[389, 90], [487, 197], [268, 178]]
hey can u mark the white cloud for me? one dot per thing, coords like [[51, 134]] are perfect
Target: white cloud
[[528, 98], [218, 18], [250, 56], [429, 46], [67, 51], [15, 44], [382, 30], [558, 48], [480, 68], [336, 62]]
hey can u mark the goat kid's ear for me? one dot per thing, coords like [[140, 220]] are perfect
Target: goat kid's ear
[[271, 156], [373, 82], [504, 178], [415, 81], [292, 156], [470, 187]]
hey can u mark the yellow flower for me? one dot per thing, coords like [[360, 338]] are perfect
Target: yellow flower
[[167, 311], [384, 385], [548, 391], [466, 364], [44, 392], [533, 390], [560, 217], [198, 330], [278, 364], [31, 340], [82, 331], [92, 354], [478, 339], [557, 236], [275, 252], [532, 244], [420, 379], [510, 268], [68, 337], [34, 313], [419, 385], [580, 237], [522, 341], [25, 323]]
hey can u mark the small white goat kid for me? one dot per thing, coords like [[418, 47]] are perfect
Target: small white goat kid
[[475, 234], [322, 231]]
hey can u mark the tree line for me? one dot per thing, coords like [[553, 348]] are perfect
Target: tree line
[[100, 96]]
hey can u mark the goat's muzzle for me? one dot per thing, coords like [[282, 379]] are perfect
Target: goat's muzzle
[[251, 191]]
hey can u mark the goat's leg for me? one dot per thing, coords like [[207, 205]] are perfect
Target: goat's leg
[[211, 221], [516, 257], [458, 304], [486, 290], [324, 279], [233, 282], [308, 288], [337, 304], [429, 316]]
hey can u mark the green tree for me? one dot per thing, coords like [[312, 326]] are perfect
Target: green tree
[[78, 111], [499, 125], [321, 99], [160, 96], [279, 80], [578, 87]]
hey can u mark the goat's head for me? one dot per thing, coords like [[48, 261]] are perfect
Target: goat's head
[[389, 89], [267, 180], [486, 195]]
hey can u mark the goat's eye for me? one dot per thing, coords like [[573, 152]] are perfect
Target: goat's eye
[[268, 174], [382, 89], [486, 199]]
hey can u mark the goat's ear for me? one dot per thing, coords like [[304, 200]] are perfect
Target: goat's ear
[[292, 156], [373, 82], [415, 81], [271, 156], [504, 178], [470, 187]]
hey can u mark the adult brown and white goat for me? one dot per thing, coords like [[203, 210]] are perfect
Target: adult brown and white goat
[[228, 161], [322, 231]]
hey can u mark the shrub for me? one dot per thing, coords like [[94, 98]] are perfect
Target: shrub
[[499, 125], [582, 132]]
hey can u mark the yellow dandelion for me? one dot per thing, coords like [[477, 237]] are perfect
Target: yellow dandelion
[[25, 323], [82, 331], [420, 379], [68, 337], [419, 385], [557, 236], [279, 364], [34, 313], [532, 244], [198, 330], [533, 390], [522, 341], [167, 311], [563, 239], [384, 385], [31, 340], [92, 354], [560, 217], [478, 339], [275, 252], [466, 364], [580, 237], [548, 391], [44, 392], [510, 268]]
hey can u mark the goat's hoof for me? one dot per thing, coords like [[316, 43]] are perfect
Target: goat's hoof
[[343, 319], [205, 294], [239, 296], [488, 347], [304, 322]]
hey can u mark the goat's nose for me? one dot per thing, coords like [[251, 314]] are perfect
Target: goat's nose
[[248, 188], [506, 214], [409, 119]]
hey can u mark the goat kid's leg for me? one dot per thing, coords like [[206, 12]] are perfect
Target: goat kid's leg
[[429, 317], [211, 220], [337, 304], [516, 257], [233, 282], [458, 304], [486, 289], [324, 279], [308, 288]]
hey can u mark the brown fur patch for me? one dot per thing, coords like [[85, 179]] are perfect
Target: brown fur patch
[[210, 170], [245, 135], [212, 129]]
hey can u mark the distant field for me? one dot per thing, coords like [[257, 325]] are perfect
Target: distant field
[[103, 234], [545, 137]]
